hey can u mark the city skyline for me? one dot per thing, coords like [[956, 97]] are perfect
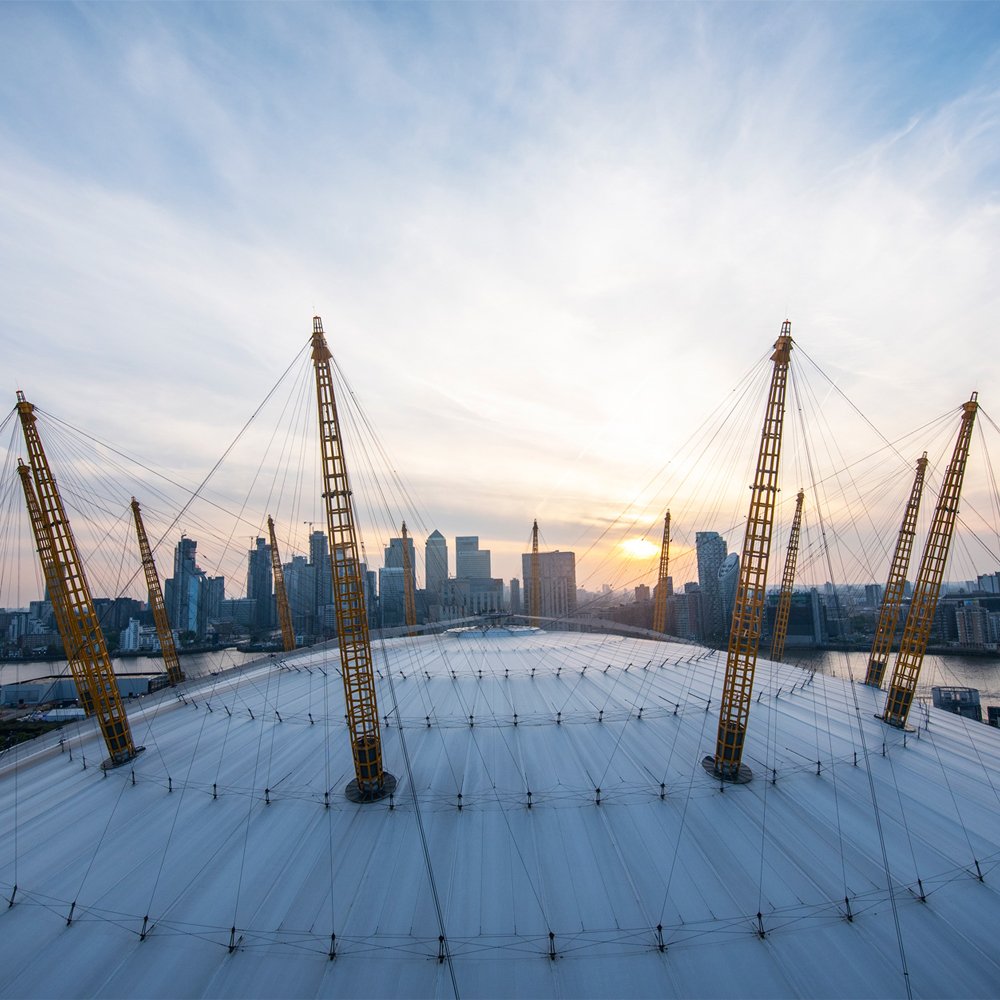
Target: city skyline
[[542, 269]]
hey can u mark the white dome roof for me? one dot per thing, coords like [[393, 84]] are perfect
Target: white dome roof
[[264, 866]]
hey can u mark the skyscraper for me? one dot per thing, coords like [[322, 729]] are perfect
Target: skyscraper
[[711, 549], [192, 597], [394, 557], [319, 558], [260, 584], [470, 560], [729, 579], [435, 563]]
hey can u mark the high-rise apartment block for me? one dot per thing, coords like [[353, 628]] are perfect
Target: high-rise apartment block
[[260, 584], [192, 597], [711, 551]]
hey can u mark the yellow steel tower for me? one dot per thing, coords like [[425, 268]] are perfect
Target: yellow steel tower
[[83, 639], [748, 611], [893, 600], [409, 600], [280, 592], [787, 582], [926, 590], [371, 782], [535, 594], [53, 583], [167, 648], [660, 607]]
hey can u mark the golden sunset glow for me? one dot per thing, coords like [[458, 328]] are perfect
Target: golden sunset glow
[[639, 548]]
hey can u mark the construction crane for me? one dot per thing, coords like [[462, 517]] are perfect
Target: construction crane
[[787, 582], [748, 611], [927, 589], [660, 607], [81, 632], [892, 601], [535, 594], [371, 782], [409, 600], [167, 648], [280, 592]]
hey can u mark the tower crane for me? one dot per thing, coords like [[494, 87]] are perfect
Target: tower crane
[[409, 601], [281, 592], [535, 594], [167, 648], [748, 610], [371, 781], [660, 607], [892, 601], [927, 589], [81, 631], [787, 582]]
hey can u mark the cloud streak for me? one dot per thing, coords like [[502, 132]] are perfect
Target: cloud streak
[[546, 241]]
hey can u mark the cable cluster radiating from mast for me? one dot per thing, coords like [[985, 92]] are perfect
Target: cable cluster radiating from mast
[[920, 618], [371, 782], [535, 594], [892, 602], [79, 627], [163, 631], [660, 607], [280, 591], [748, 610], [784, 608]]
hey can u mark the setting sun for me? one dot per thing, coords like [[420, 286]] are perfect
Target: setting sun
[[639, 548]]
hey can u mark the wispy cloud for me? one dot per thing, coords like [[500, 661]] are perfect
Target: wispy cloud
[[546, 239]]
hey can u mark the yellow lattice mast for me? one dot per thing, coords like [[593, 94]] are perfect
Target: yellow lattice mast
[[660, 607], [371, 782], [53, 584], [409, 598], [167, 648], [888, 617], [535, 594], [83, 639], [927, 589], [281, 592], [787, 583], [748, 609]]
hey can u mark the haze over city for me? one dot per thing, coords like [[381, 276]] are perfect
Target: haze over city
[[548, 243]]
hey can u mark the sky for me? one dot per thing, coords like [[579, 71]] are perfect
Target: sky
[[547, 240]]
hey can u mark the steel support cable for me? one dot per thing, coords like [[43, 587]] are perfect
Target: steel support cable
[[265, 452], [685, 691], [250, 806], [828, 437], [819, 505], [743, 386], [645, 684], [871, 787], [954, 800], [418, 816], [180, 802], [696, 764], [412, 505]]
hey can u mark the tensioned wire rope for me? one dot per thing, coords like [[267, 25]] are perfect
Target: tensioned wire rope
[[109, 818], [733, 413]]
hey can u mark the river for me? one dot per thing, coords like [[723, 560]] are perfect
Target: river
[[961, 671]]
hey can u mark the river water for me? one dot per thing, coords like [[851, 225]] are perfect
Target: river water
[[961, 671], [193, 665], [979, 672]]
